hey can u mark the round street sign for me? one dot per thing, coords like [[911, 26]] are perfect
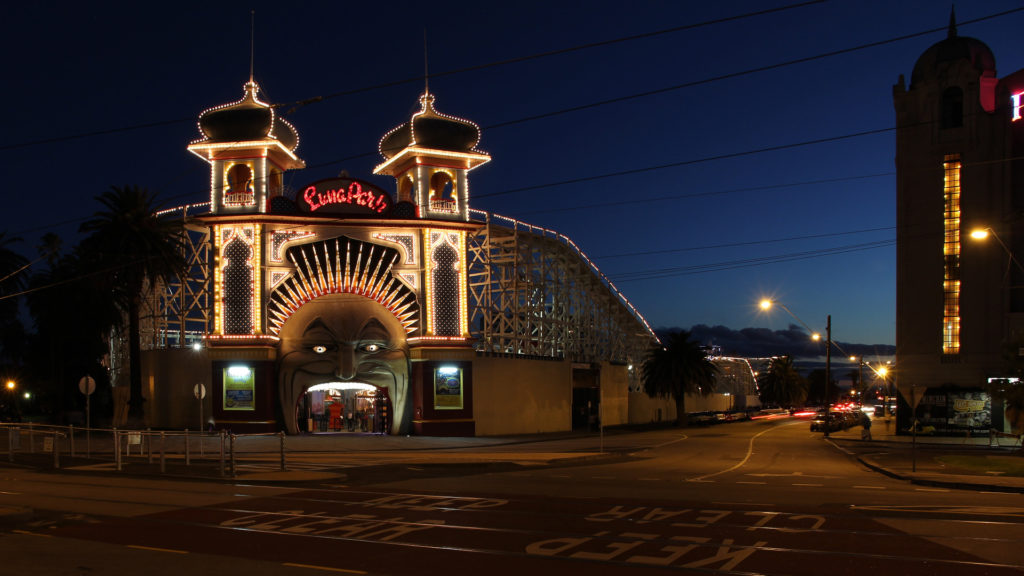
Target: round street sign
[[87, 385], [200, 391]]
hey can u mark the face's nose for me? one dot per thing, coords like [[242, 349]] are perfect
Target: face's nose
[[346, 369]]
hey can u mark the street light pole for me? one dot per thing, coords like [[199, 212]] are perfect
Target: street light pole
[[766, 303], [828, 370], [982, 233], [860, 375]]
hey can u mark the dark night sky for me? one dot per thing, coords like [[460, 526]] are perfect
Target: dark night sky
[[745, 173]]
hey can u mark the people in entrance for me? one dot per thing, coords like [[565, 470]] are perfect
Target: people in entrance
[[335, 411]]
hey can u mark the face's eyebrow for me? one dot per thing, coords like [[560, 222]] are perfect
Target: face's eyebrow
[[374, 327], [315, 325]]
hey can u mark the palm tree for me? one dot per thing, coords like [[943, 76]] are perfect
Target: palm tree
[[679, 368], [782, 384], [139, 249]]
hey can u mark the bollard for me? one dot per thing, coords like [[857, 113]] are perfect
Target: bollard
[[282, 450], [187, 459], [163, 465], [116, 447], [232, 452], [221, 452], [117, 450]]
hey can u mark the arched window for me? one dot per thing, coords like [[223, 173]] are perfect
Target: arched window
[[441, 186], [952, 108], [442, 193], [405, 189], [240, 192], [238, 276]]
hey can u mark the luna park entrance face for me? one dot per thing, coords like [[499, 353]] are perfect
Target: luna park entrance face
[[359, 409]]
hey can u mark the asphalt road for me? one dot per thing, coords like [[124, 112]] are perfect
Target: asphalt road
[[764, 497]]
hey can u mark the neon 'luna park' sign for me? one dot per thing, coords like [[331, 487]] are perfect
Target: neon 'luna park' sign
[[344, 196]]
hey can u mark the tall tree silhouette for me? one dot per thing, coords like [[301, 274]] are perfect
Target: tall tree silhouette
[[137, 249], [678, 368], [781, 384]]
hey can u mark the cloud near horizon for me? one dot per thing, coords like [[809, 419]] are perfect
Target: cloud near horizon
[[763, 342]]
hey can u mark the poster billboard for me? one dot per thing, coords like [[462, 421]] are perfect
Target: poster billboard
[[448, 388], [239, 388]]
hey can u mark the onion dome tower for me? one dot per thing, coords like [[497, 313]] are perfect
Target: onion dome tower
[[249, 147], [430, 156]]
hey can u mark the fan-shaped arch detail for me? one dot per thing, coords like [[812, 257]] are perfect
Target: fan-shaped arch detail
[[342, 266]]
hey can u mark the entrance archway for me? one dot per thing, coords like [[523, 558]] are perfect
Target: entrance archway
[[341, 340], [344, 407]]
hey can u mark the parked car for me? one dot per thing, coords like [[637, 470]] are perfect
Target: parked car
[[836, 421]]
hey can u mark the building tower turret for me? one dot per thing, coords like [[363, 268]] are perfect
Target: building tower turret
[[249, 147], [430, 157]]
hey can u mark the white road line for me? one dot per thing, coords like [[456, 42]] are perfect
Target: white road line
[[750, 452]]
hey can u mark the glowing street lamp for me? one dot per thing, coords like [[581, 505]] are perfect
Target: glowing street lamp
[[766, 304], [11, 385], [883, 372], [982, 234]]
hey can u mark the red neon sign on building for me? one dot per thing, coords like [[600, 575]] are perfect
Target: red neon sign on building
[[344, 196]]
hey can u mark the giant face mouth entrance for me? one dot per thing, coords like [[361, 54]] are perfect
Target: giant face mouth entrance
[[344, 407]]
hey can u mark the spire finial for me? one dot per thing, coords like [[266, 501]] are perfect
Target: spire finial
[[952, 21], [426, 68], [252, 41]]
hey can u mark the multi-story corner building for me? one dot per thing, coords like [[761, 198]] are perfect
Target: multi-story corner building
[[959, 300]]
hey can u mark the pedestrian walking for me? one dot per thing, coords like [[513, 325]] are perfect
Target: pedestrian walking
[[865, 434]]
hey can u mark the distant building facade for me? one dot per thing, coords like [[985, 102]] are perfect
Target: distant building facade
[[959, 301]]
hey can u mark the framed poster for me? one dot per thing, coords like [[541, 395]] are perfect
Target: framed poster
[[447, 388], [239, 388]]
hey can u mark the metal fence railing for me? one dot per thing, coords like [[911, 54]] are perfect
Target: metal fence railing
[[122, 448]]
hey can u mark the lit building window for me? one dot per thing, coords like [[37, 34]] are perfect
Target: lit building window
[[951, 254], [240, 189], [442, 193]]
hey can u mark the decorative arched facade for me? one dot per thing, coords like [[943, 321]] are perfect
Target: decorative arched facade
[[400, 296]]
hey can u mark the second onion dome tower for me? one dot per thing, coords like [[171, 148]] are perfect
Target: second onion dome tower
[[429, 156]]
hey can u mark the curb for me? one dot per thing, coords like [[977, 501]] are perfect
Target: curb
[[955, 484]]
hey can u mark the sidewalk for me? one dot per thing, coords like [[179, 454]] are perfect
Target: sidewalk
[[921, 460]]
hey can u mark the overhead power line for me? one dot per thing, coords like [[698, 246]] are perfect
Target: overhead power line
[[746, 72], [291, 107], [748, 243], [746, 262]]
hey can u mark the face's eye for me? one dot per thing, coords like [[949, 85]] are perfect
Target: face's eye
[[319, 348], [370, 348]]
